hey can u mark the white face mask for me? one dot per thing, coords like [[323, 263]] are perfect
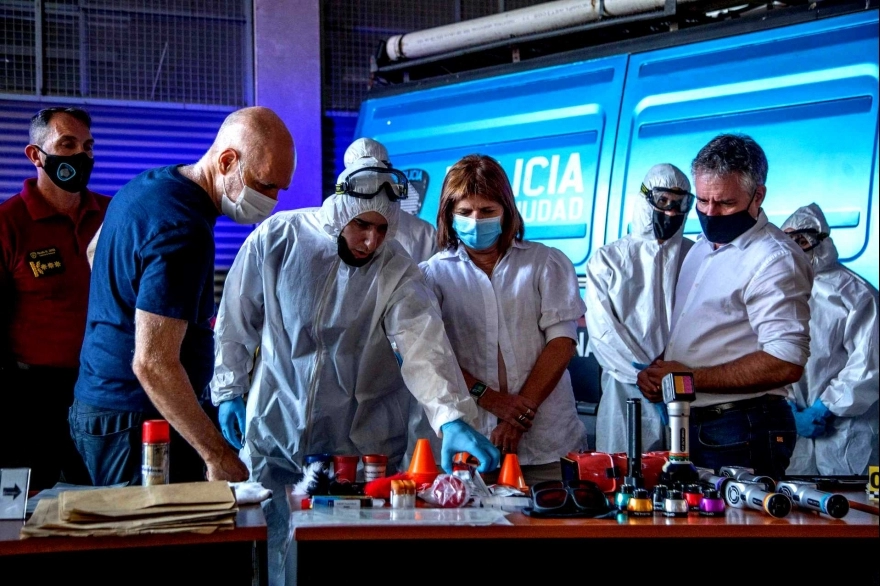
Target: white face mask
[[251, 207]]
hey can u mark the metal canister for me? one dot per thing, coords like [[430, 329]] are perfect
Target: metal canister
[[640, 505], [155, 455]]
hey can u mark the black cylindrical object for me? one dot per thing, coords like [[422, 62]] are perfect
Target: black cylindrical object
[[634, 443]]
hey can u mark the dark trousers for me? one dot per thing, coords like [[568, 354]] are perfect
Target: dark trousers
[[109, 441], [755, 433], [33, 425]]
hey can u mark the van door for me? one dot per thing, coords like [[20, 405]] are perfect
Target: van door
[[806, 93]]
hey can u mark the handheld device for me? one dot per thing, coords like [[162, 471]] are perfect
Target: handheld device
[[678, 394], [807, 496], [742, 494], [748, 475], [711, 480]]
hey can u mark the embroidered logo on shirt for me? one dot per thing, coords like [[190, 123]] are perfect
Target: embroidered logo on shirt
[[45, 262]]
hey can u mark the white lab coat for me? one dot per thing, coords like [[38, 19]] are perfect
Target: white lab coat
[[531, 299], [326, 379], [842, 371], [629, 293]]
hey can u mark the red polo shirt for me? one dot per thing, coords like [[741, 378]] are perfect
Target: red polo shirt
[[44, 276]]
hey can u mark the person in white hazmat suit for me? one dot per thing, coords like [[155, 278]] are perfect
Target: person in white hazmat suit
[[323, 293], [418, 237], [835, 403], [629, 295]]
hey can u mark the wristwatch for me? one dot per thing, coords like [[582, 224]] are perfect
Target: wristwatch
[[478, 390]]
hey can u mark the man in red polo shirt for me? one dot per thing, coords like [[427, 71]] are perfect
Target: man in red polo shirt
[[44, 292]]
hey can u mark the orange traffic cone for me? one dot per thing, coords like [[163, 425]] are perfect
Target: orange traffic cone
[[422, 466], [511, 474]]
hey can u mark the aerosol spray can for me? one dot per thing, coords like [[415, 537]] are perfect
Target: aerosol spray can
[[155, 454]]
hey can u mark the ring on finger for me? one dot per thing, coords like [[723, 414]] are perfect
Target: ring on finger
[[521, 418], [529, 412]]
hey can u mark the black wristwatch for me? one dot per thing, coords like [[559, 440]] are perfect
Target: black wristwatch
[[478, 390]]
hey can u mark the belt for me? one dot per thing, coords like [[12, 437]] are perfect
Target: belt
[[716, 410]]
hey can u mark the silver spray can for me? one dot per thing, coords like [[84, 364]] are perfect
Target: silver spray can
[[155, 453]]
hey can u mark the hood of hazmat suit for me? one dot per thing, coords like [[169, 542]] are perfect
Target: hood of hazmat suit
[[842, 370], [416, 236], [629, 296]]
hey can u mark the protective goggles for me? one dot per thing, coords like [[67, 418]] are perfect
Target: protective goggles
[[569, 496], [365, 183], [669, 200], [808, 238]]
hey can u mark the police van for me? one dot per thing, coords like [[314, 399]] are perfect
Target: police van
[[577, 130]]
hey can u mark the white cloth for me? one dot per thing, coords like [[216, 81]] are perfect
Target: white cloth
[[842, 371], [749, 295], [249, 493], [629, 292], [531, 299]]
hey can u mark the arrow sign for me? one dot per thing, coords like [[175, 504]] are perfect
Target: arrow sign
[[12, 491]]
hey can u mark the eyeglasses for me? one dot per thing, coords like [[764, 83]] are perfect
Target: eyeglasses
[[666, 200], [808, 238], [555, 496], [366, 182]]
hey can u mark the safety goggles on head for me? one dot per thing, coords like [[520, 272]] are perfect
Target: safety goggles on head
[[366, 182], [669, 200], [576, 496], [808, 238]]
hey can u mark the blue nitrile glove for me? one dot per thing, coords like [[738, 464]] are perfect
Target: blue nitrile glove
[[231, 413], [458, 436], [664, 413], [809, 422]]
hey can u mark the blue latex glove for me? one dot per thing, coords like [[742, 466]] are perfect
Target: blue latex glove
[[661, 409], [811, 422], [231, 414], [458, 436]]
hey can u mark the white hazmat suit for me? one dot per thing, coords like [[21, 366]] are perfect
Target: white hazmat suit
[[415, 235], [326, 378], [629, 295], [842, 371]]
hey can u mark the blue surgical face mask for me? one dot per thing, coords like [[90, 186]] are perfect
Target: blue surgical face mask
[[477, 234]]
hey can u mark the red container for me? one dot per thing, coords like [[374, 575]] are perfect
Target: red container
[[345, 468]]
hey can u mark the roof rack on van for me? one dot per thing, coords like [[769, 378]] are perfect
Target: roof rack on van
[[538, 33]]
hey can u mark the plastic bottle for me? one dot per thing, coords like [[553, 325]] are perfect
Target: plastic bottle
[[155, 467]]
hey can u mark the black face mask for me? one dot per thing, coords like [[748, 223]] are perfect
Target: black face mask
[[347, 257], [665, 227], [724, 229], [71, 172]]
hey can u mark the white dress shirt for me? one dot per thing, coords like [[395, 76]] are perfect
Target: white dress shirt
[[749, 295], [532, 298]]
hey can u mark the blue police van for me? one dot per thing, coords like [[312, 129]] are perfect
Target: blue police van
[[576, 131]]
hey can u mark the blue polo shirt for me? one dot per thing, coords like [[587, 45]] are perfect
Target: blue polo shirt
[[156, 254]]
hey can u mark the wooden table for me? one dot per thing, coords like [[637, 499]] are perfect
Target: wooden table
[[236, 556], [743, 546]]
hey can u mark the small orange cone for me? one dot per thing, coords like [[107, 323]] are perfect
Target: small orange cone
[[422, 466], [511, 474]]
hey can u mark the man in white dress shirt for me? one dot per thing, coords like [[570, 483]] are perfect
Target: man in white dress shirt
[[741, 317]]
